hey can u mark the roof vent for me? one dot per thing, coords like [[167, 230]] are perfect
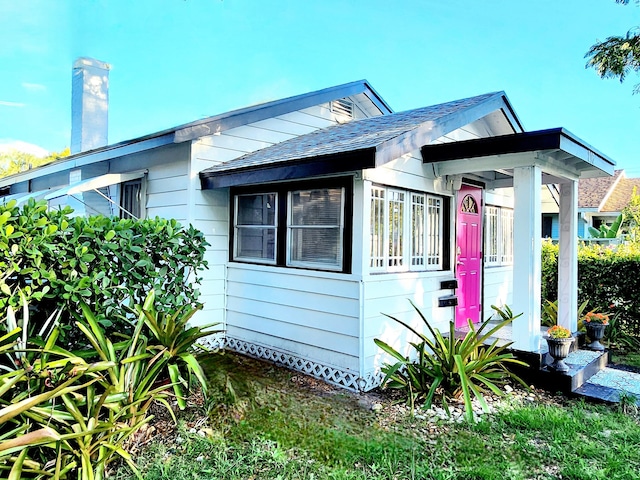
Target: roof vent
[[342, 107]]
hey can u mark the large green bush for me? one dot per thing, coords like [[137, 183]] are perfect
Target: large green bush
[[57, 260], [607, 278]]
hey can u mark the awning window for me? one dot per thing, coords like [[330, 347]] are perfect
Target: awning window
[[95, 183]]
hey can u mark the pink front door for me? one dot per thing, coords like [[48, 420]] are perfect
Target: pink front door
[[469, 254]]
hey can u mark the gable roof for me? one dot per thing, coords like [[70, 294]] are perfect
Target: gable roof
[[620, 195], [592, 192], [359, 144], [207, 126]]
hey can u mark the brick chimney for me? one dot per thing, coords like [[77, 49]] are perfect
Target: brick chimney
[[89, 104]]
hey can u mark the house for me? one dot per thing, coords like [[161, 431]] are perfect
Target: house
[[600, 201], [327, 210]]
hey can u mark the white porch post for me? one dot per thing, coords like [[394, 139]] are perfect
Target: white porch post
[[568, 257], [527, 262]]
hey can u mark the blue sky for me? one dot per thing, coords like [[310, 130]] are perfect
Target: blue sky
[[175, 61]]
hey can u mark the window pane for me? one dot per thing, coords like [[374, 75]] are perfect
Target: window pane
[[256, 209], [396, 222], [316, 207], [316, 245], [377, 228], [131, 199], [255, 234], [507, 236], [434, 229], [256, 243], [492, 238], [315, 227], [417, 230]]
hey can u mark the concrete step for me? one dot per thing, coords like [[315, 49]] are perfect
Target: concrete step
[[583, 364], [611, 385]]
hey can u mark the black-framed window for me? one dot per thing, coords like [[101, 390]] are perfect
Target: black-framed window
[[302, 224]]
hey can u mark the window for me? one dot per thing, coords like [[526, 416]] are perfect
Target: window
[[295, 225], [131, 199], [255, 229], [406, 230], [315, 227], [498, 236]]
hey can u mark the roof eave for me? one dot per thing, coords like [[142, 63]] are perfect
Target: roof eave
[[256, 113], [294, 170], [426, 133]]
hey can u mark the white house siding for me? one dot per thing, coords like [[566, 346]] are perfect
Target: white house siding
[[391, 294], [307, 320]]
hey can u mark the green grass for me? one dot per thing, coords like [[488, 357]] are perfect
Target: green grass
[[268, 427], [630, 358]]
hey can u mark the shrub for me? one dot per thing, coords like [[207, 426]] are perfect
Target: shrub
[[457, 366], [57, 260], [61, 416], [605, 280], [549, 283]]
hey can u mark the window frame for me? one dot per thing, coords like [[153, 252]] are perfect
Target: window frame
[[264, 226], [283, 227], [418, 251]]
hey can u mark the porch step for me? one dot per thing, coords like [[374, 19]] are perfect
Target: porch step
[[583, 364], [611, 385]]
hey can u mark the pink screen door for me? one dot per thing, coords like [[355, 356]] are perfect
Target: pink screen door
[[468, 254]]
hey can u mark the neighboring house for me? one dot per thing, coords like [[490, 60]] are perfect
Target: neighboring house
[[600, 201], [327, 210]]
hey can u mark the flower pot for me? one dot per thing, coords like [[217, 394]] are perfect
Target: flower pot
[[595, 332], [559, 350]]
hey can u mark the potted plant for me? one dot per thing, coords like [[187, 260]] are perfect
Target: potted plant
[[595, 323], [559, 340]]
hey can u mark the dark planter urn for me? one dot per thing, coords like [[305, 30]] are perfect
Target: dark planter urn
[[595, 332], [559, 350]]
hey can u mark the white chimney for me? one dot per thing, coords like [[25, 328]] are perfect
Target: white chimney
[[89, 104]]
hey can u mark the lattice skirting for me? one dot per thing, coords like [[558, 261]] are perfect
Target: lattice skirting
[[330, 374]]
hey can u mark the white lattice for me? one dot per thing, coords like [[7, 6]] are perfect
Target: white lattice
[[329, 374], [213, 342], [371, 381]]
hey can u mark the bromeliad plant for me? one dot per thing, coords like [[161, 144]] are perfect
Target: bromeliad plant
[[452, 367], [62, 416], [550, 313], [174, 340]]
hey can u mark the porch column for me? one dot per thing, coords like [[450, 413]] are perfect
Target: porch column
[[568, 257], [527, 252]]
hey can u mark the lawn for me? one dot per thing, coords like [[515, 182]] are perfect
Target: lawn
[[265, 422]]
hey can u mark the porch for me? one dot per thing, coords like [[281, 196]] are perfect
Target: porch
[[526, 162]]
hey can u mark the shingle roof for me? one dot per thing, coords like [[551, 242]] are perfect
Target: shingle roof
[[592, 191], [369, 133], [621, 195]]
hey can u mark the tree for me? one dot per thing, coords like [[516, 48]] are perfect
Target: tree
[[14, 161], [617, 56]]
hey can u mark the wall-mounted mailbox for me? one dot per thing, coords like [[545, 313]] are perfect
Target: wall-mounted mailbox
[[449, 284], [448, 301]]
